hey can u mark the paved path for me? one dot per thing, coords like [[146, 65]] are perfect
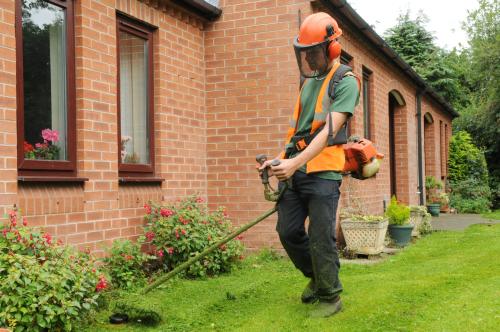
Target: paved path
[[458, 222]]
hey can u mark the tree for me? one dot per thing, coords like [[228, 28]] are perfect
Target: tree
[[410, 39], [482, 117]]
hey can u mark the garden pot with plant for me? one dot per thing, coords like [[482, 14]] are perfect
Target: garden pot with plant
[[364, 234], [433, 189], [399, 222], [417, 215], [444, 202]]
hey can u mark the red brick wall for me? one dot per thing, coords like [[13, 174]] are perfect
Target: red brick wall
[[101, 209], [223, 92], [252, 83], [8, 138]]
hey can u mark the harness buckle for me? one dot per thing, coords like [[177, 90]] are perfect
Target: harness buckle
[[301, 144]]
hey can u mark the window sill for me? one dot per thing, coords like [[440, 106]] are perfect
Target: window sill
[[51, 179], [138, 179]]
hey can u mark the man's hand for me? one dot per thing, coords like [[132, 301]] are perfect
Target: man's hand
[[266, 164], [285, 169]]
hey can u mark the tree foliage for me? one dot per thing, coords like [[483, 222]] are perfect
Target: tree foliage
[[468, 175], [481, 118], [467, 78], [411, 40]]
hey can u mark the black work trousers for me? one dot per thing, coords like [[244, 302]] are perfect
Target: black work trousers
[[315, 252]]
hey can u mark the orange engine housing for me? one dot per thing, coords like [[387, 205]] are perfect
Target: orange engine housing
[[359, 153]]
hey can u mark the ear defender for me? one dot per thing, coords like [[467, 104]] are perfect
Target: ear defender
[[334, 49]]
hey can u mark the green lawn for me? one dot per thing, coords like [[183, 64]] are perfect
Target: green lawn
[[495, 215], [447, 281]]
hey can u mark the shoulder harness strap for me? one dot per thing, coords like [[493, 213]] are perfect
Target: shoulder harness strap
[[339, 74]]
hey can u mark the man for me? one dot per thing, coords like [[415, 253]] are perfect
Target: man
[[312, 167]]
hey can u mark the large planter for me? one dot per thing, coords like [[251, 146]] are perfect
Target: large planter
[[416, 219], [364, 237], [433, 209], [401, 234]]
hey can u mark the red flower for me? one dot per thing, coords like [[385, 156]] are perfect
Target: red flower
[[177, 234], [48, 238], [150, 236], [199, 200], [183, 232], [101, 284], [25, 222], [159, 253], [239, 237], [148, 208], [166, 212], [28, 147], [184, 221], [4, 232], [170, 250], [223, 247]]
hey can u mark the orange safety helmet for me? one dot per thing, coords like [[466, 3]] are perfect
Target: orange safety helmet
[[316, 44]]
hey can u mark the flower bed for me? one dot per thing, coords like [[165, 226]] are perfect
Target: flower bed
[[180, 231], [45, 285]]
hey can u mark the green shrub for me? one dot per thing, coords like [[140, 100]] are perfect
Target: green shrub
[[468, 176], [398, 214], [182, 230], [466, 161], [470, 196], [125, 264], [44, 285]]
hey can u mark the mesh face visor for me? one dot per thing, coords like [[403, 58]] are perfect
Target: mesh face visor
[[312, 59]]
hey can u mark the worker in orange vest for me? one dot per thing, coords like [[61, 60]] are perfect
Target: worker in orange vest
[[312, 161]]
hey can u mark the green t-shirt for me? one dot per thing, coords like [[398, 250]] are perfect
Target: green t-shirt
[[345, 99]]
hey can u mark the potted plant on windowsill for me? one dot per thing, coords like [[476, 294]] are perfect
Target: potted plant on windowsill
[[433, 188], [364, 234], [399, 222]]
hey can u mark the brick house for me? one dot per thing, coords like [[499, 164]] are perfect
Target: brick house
[[158, 99]]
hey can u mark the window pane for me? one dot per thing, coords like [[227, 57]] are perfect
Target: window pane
[[45, 93], [134, 99]]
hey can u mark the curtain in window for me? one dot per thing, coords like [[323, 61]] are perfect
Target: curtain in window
[[134, 99], [57, 33]]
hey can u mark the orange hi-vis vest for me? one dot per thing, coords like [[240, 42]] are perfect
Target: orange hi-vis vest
[[331, 158]]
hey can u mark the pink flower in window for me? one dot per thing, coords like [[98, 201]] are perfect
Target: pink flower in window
[[50, 135]]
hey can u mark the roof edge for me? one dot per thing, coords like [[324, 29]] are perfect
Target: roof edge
[[342, 7], [202, 8]]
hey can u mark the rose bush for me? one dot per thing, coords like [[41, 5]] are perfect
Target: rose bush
[[180, 231], [44, 285], [125, 264]]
